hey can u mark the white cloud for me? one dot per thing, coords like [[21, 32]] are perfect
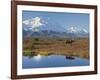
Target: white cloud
[[34, 22], [26, 22]]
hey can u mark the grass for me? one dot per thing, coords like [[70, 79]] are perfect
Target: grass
[[79, 48]]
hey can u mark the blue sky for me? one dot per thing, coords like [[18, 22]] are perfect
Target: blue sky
[[66, 20]]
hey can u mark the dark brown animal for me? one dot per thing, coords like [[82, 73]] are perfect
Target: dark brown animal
[[70, 41]]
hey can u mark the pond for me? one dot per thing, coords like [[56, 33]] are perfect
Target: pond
[[40, 61]]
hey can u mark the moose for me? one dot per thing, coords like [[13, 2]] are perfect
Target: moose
[[70, 41]]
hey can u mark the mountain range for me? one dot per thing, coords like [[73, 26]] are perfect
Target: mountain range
[[51, 29]]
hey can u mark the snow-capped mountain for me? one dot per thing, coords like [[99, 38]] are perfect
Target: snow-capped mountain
[[83, 31], [76, 30], [72, 30], [38, 24], [40, 27], [32, 24]]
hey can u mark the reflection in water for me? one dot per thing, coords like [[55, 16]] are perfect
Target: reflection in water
[[40, 61], [70, 57], [38, 57]]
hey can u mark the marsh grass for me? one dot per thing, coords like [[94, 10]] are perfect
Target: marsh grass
[[79, 48]]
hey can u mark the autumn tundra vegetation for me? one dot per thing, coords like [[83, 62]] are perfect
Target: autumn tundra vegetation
[[77, 47]]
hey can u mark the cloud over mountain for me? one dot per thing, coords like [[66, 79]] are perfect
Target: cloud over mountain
[[34, 23], [38, 24]]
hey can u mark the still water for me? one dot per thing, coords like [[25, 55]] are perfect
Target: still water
[[40, 61]]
